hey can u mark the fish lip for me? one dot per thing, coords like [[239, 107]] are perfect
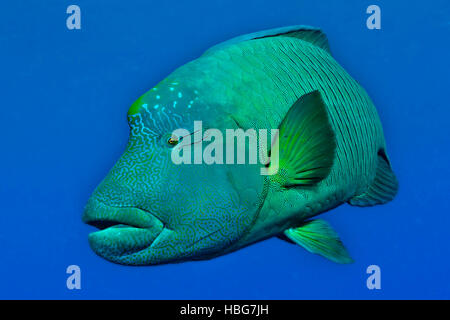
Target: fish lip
[[123, 231], [102, 216]]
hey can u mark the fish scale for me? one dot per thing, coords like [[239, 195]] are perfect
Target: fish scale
[[291, 88]]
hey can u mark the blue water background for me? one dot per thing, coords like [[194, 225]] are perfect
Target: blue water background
[[64, 98]]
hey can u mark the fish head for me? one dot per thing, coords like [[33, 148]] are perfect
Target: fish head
[[151, 210]]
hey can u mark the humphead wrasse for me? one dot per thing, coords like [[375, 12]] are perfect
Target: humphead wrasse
[[331, 151]]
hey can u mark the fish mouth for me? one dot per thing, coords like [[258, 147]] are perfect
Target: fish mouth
[[123, 231]]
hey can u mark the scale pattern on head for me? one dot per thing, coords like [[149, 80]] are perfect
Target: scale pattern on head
[[201, 210]]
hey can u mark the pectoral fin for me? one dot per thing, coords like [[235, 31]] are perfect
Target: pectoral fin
[[304, 152], [317, 236]]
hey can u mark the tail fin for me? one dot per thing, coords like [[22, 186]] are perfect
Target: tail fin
[[383, 188]]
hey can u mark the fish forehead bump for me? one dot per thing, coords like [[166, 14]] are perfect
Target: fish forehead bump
[[168, 96]]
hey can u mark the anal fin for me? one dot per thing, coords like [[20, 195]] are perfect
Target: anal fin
[[317, 236]]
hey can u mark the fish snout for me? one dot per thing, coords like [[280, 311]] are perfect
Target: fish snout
[[124, 232]]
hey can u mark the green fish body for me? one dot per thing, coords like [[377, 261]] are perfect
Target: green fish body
[[331, 151]]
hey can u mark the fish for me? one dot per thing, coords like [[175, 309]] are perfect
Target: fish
[[330, 150]]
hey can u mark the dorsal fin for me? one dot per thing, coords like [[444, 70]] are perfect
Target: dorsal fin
[[309, 34]]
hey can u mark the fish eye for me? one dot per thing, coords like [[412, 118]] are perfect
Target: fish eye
[[172, 141]]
